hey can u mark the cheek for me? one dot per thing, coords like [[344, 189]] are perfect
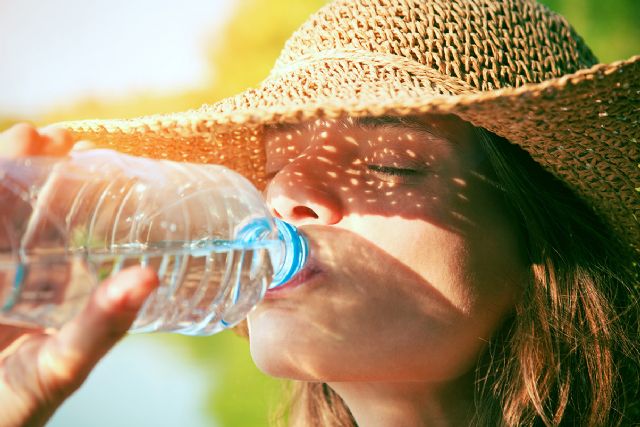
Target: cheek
[[497, 258], [477, 276]]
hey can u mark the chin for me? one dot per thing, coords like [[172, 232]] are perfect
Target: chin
[[272, 345], [281, 350], [277, 359]]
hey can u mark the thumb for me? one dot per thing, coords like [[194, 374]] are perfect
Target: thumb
[[71, 354]]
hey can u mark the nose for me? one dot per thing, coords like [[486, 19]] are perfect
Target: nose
[[301, 193]]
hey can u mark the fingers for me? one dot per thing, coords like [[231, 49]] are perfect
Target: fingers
[[56, 141], [20, 140], [24, 139], [71, 353]]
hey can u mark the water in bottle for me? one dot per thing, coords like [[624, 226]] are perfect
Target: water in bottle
[[69, 223]]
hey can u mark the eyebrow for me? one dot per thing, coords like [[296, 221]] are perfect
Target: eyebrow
[[398, 122], [281, 127], [381, 121]]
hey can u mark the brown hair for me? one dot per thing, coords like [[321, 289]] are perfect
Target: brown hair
[[569, 355]]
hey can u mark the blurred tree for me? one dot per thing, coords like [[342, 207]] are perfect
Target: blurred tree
[[610, 28], [253, 39]]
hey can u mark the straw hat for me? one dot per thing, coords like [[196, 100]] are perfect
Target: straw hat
[[510, 66]]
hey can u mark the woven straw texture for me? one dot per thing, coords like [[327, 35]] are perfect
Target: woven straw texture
[[511, 66]]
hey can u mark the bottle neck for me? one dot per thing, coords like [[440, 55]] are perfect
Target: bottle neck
[[288, 257], [294, 255]]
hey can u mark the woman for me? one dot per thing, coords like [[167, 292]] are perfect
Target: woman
[[472, 216], [470, 296]]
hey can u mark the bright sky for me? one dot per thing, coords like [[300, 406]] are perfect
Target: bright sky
[[55, 51]]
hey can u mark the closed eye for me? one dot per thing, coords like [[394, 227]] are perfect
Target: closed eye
[[394, 171]]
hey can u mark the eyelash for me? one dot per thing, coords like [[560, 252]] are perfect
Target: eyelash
[[393, 171]]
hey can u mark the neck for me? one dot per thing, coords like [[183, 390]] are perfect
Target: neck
[[409, 404]]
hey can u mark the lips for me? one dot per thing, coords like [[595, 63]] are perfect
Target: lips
[[306, 274]]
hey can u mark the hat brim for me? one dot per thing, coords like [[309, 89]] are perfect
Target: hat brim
[[583, 127]]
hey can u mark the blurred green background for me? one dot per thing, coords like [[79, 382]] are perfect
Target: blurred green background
[[252, 39]]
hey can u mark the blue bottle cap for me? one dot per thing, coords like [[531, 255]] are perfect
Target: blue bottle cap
[[289, 257], [296, 253]]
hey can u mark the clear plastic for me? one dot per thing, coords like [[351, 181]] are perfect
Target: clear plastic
[[66, 224]]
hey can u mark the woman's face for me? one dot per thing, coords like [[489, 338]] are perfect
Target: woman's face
[[414, 262]]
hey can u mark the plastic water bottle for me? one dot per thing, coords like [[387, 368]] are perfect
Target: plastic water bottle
[[68, 223]]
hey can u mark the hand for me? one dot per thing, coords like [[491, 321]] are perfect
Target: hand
[[39, 368], [23, 140]]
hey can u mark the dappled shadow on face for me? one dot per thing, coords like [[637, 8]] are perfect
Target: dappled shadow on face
[[429, 169]]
